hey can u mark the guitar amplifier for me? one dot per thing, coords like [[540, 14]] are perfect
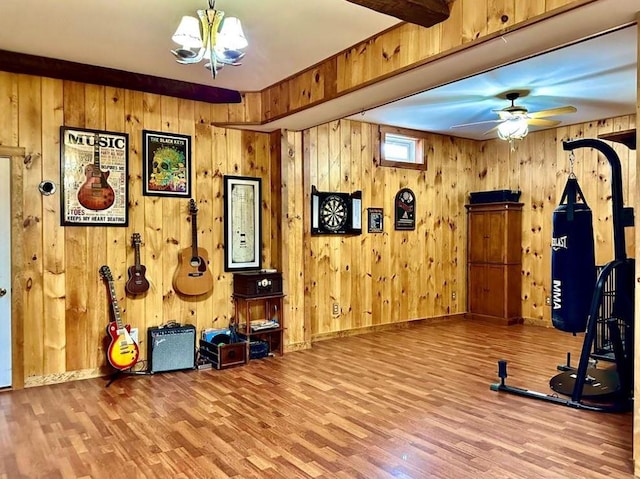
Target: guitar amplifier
[[171, 348], [257, 283]]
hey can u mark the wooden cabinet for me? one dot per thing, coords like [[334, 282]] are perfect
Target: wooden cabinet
[[495, 262], [261, 318]]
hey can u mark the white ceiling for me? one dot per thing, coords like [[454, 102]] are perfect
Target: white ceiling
[[287, 36], [597, 76]]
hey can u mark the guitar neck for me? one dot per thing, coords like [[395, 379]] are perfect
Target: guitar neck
[[114, 305], [194, 236], [96, 152], [137, 256]]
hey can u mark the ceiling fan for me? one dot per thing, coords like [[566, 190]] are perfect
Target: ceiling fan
[[514, 120]]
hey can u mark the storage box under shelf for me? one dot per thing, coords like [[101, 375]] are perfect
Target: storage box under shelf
[[258, 348], [224, 355], [273, 338]]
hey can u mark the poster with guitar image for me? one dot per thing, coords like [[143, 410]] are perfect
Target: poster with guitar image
[[93, 177], [193, 276], [123, 351]]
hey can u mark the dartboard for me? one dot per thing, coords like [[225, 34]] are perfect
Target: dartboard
[[333, 212]]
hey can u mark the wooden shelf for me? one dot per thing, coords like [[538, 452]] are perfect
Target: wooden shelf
[[269, 305], [626, 137]]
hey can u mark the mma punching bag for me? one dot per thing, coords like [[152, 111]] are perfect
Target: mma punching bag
[[573, 265]]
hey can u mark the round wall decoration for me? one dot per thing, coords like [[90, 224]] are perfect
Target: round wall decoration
[[333, 212], [336, 213]]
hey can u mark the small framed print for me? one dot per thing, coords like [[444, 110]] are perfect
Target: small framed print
[[166, 165], [242, 223], [375, 222]]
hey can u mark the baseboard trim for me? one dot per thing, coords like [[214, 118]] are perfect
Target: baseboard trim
[[58, 378], [386, 327], [544, 323], [290, 348]]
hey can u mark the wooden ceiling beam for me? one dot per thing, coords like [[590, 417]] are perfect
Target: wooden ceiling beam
[[65, 70], [421, 12]]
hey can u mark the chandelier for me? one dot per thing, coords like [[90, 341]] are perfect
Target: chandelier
[[210, 37]]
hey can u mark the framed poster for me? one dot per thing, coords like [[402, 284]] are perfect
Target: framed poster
[[166, 164], [405, 206], [242, 223], [375, 223], [94, 177]]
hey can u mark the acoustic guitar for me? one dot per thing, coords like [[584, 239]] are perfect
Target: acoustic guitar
[[193, 277], [137, 282], [123, 351], [96, 193]]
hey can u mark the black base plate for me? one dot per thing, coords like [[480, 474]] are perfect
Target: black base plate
[[599, 383]]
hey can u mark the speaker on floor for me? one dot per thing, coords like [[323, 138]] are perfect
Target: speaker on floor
[[171, 348]]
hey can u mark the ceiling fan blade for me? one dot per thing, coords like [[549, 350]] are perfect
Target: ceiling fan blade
[[476, 123], [541, 122], [488, 132], [552, 112]]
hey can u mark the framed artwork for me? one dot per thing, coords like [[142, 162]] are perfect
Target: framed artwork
[[242, 223], [94, 177], [375, 223], [166, 164], [405, 206]]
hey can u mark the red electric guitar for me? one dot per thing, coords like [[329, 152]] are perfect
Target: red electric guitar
[[137, 282], [123, 351], [96, 193]]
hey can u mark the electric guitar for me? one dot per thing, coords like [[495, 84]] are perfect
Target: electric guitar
[[193, 278], [123, 351], [137, 282], [96, 193]]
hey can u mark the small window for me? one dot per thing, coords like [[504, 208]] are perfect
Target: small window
[[402, 148]]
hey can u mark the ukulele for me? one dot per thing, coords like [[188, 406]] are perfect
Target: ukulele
[[137, 282], [96, 193], [123, 351], [193, 277]]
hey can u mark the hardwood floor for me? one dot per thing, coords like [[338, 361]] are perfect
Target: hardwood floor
[[413, 403]]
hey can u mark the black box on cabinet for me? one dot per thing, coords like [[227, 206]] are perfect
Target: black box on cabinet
[[257, 283], [497, 196], [171, 348]]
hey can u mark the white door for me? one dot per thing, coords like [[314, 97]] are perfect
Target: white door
[[5, 273]]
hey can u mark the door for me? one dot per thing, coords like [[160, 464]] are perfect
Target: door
[[5, 273]]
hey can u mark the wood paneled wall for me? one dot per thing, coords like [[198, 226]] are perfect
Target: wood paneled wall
[[65, 309], [398, 276], [376, 279], [395, 276]]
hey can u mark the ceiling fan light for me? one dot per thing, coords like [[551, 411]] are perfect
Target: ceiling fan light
[[188, 33], [231, 36], [513, 129]]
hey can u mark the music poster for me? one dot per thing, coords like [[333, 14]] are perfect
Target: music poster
[[93, 177]]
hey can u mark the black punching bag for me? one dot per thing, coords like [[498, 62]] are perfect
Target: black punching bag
[[573, 264]]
